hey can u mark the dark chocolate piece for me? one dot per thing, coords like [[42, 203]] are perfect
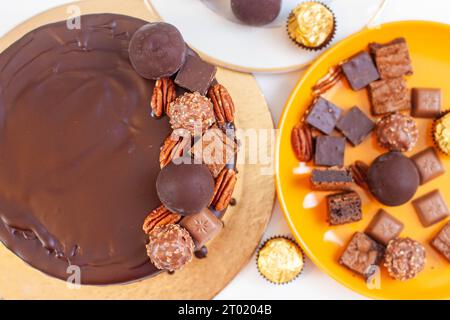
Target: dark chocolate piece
[[428, 164], [196, 75], [442, 241], [355, 126], [392, 58], [360, 70], [362, 255], [202, 226], [202, 253], [384, 227], [389, 95], [431, 208], [335, 178], [323, 115], [330, 151], [426, 102], [393, 179], [397, 132], [344, 208], [256, 12]]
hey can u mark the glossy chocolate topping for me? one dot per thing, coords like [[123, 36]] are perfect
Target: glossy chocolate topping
[[79, 151]]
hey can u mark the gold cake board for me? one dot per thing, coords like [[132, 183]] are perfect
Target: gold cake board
[[228, 253]]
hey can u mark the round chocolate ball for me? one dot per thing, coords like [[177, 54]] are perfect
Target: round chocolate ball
[[185, 188], [393, 179], [157, 50], [404, 258], [256, 12], [397, 132]]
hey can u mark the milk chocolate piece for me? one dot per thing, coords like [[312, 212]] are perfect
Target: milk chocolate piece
[[323, 115], [329, 151], [355, 126], [196, 75], [426, 102], [384, 227], [334, 178], [344, 208], [202, 226], [442, 241], [428, 164], [389, 95], [360, 70], [431, 208], [392, 58]]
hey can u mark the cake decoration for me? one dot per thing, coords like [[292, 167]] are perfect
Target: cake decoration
[[222, 103], [202, 226], [164, 93], [223, 189], [161, 216], [405, 258], [196, 75]]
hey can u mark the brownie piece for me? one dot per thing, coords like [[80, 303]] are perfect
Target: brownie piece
[[323, 115], [442, 241], [362, 255], [195, 75], [329, 151], [384, 227], [426, 102], [428, 164], [431, 208], [355, 126], [392, 58], [389, 95], [344, 208], [360, 70], [335, 178]]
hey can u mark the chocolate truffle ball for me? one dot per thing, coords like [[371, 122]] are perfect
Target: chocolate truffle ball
[[157, 50], [393, 179], [170, 247], [185, 188], [404, 258], [397, 132], [256, 12]]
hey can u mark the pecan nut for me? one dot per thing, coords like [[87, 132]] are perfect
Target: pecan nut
[[159, 217], [302, 142], [223, 104], [359, 172], [173, 147], [223, 190], [164, 93], [328, 81]]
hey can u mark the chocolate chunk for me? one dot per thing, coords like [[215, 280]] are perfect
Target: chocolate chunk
[[362, 255], [196, 75], [389, 95], [323, 115], [355, 126], [202, 226], [202, 253], [360, 70], [442, 241], [428, 164], [431, 208], [392, 58], [344, 208], [397, 132], [329, 151], [384, 227], [256, 12], [334, 178], [426, 102], [393, 179]]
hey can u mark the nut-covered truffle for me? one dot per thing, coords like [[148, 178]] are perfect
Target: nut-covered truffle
[[397, 132], [192, 112], [404, 258], [170, 247]]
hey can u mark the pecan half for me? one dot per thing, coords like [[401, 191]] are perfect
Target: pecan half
[[222, 102], [159, 217], [164, 93], [173, 147], [359, 172], [223, 190], [328, 81], [302, 142]]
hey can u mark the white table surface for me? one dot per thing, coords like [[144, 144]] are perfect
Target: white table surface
[[248, 284]]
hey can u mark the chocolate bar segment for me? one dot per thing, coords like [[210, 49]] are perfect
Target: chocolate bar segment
[[426, 102], [355, 126], [202, 226], [196, 75], [335, 178], [323, 115], [389, 95], [360, 70], [392, 58], [330, 151], [442, 241], [344, 208], [428, 164], [384, 227], [431, 208]]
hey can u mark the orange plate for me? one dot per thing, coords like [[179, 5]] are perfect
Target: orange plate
[[430, 54]]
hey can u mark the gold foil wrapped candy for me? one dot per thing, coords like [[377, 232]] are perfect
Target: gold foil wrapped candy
[[441, 133]]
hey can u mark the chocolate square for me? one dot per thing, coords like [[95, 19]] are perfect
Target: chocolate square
[[362, 255], [329, 151], [392, 58], [196, 75], [202, 226], [431, 208], [334, 178], [442, 241], [355, 126], [384, 227], [389, 95], [323, 115], [426, 102], [360, 70], [344, 208], [428, 164]]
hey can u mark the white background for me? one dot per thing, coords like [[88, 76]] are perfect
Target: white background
[[313, 283]]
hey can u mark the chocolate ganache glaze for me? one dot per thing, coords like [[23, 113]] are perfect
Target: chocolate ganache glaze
[[78, 151]]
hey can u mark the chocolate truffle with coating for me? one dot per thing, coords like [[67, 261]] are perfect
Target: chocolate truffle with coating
[[397, 132], [404, 258], [256, 12]]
